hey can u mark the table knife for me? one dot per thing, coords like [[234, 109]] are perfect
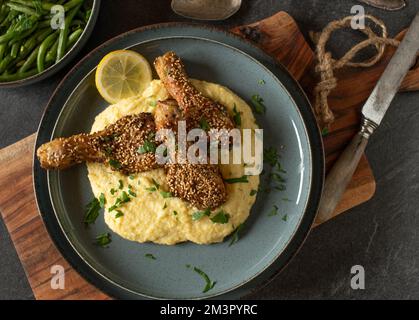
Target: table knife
[[390, 5], [372, 113]]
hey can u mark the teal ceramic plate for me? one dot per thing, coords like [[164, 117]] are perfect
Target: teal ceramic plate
[[266, 244]]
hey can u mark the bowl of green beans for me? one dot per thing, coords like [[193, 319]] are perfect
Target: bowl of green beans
[[39, 37]]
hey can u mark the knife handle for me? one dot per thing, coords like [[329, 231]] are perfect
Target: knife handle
[[341, 173]]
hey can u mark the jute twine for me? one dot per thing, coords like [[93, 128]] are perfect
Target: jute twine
[[326, 65]]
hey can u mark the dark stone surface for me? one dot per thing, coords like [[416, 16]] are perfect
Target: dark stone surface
[[381, 235]]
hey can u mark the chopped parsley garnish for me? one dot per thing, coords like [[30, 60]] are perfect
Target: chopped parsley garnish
[[166, 194], [325, 132], [148, 145], [102, 200], [274, 211], [175, 213], [261, 82], [121, 185], [150, 256], [237, 116], [253, 192], [271, 156], [113, 191], [131, 177], [151, 189], [280, 187], [285, 218], [203, 124], [103, 240], [208, 283], [221, 217], [258, 104], [156, 184], [242, 179], [200, 214], [277, 177], [124, 198], [153, 103], [119, 214], [130, 192], [235, 236], [115, 164], [165, 206], [92, 211]]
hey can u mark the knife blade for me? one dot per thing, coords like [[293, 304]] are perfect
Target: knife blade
[[373, 112], [390, 5], [380, 99]]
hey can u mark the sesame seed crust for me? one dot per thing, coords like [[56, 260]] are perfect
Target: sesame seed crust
[[200, 184], [194, 105], [117, 144]]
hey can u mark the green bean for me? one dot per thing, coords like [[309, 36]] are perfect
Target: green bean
[[3, 47], [45, 23], [18, 75], [44, 5], [30, 61], [3, 13], [72, 3], [14, 51], [8, 36], [72, 39], [46, 44], [23, 9], [62, 42], [42, 36], [10, 16], [27, 47], [4, 64], [24, 34], [52, 52]]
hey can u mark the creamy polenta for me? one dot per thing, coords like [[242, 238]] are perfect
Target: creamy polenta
[[152, 216]]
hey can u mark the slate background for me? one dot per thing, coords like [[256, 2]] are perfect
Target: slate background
[[381, 235]]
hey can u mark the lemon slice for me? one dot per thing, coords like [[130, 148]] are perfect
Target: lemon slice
[[122, 74]]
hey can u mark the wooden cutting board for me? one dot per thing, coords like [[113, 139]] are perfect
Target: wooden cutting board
[[278, 35]]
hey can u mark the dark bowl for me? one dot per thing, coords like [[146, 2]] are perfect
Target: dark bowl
[[70, 55]]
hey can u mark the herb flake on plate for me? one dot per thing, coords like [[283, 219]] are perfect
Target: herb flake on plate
[[103, 240], [102, 200], [92, 210], [200, 214], [258, 104], [243, 179], [119, 214], [148, 145], [237, 116], [166, 195], [208, 283], [203, 124], [115, 164], [274, 211], [236, 236], [150, 256], [221, 217]]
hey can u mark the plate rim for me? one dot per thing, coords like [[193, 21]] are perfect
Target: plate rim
[[314, 140]]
